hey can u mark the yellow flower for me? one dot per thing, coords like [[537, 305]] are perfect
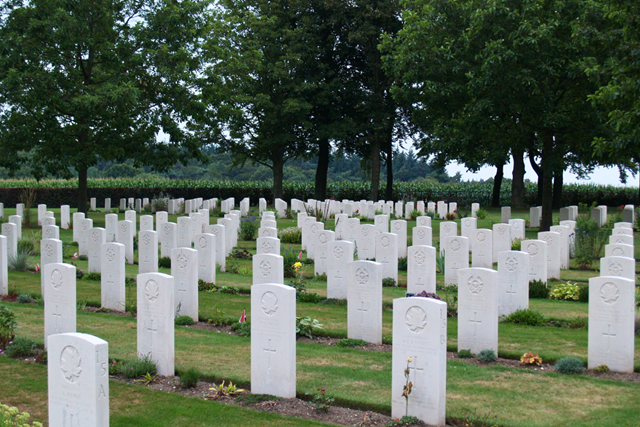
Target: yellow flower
[[409, 359], [297, 265]]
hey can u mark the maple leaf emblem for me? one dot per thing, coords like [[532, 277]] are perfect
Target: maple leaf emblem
[[70, 362], [415, 319], [269, 303], [609, 293]]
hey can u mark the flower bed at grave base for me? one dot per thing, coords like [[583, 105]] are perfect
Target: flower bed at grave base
[[56, 192]]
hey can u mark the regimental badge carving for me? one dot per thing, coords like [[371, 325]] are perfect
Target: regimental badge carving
[[501, 230], [111, 254], [397, 226], [365, 231], [475, 284], [454, 245], [385, 241], [202, 242], [362, 276], [422, 222], [419, 257], [167, 230], [416, 319], [181, 261], [314, 228], [265, 268], [70, 364], [49, 233], [447, 228], [269, 303], [548, 239], [481, 236], [151, 290], [511, 263], [123, 227], [146, 240], [615, 269], [532, 249], [94, 237], [421, 234], [48, 250], [515, 225], [266, 248], [338, 252], [56, 279], [609, 293], [617, 252], [84, 226], [351, 224], [322, 238]]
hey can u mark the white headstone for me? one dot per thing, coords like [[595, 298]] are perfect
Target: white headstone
[[517, 229], [168, 238], [17, 220], [125, 236], [64, 217], [111, 227], [501, 239], [364, 301], [86, 224], [442, 210], [456, 257], [262, 205], [399, 227], [156, 319], [420, 347], [409, 208], [161, 218], [4, 264], [421, 269], [423, 221], [147, 251], [477, 310], [323, 237], [97, 237], [20, 209], [50, 232], [60, 296], [481, 243], [618, 249], [205, 244], [513, 281], [107, 205], [352, 230], [77, 216], [387, 254], [468, 226], [381, 223], [112, 279], [184, 232], [447, 229], [281, 208], [146, 222], [184, 269], [131, 215], [553, 253], [611, 323], [92, 204], [268, 245], [537, 250], [219, 232], [78, 380], [50, 253], [618, 266], [474, 209], [339, 255], [422, 236], [563, 241], [621, 239], [273, 340], [505, 215], [42, 209], [10, 231]]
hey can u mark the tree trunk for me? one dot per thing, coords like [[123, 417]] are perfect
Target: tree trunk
[[497, 183], [320, 192], [547, 187], [375, 168], [278, 174], [557, 188], [538, 170], [82, 189], [517, 184], [389, 191]]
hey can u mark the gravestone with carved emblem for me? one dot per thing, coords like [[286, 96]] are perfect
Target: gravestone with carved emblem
[[421, 269], [513, 282], [60, 296], [364, 301], [477, 310], [184, 269]]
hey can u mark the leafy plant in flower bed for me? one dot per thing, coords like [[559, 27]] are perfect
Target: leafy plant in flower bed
[[487, 356], [525, 317], [538, 289], [565, 292], [249, 228], [530, 359], [21, 347], [569, 365], [139, 367], [306, 326]]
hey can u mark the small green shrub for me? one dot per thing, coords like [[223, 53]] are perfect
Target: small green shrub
[[402, 264], [487, 356], [242, 328], [25, 299], [19, 262], [311, 297], [306, 326], [538, 289], [79, 274], [249, 228], [481, 213], [164, 262], [569, 365], [26, 246], [137, 368], [233, 290], [10, 416], [388, 282], [290, 262], [637, 324], [565, 292], [83, 257], [602, 369], [320, 401], [189, 378], [184, 320], [465, 354], [439, 262], [580, 322], [415, 214], [525, 317], [93, 276], [290, 235], [322, 277], [220, 318], [351, 342], [583, 293], [8, 325], [206, 286], [21, 347], [516, 244], [115, 367]]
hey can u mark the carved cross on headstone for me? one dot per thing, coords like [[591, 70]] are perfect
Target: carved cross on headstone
[[609, 335], [58, 316], [362, 310], [152, 331], [511, 293], [413, 369], [475, 322], [269, 350]]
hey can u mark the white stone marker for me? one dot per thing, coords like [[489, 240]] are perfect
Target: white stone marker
[[481, 243], [156, 319], [323, 237], [42, 209], [421, 269], [47, 220], [442, 210], [112, 279], [273, 340], [517, 229], [447, 229], [262, 205], [60, 296], [553, 253], [563, 242], [501, 239], [456, 257], [623, 231], [64, 217], [138, 206], [467, 228], [339, 255], [409, 208], [184, 232], [161, 218], [366, 243], [422, 236], [228, 233], [431, 207], [312, 237], [184, 269], [10, 231], [196, 224], [97, 237], [341, 226], [268, 268], [17, 220], [505, 215], [131, 215], [281, 208], [268, 245], [352, 230], [4, 267], [537, 250], [387, 254], [611, 323], [513, 281], [268, 232], [78, 380], [420, 345], [50, 253], [146, 222], [86, 224], [205, 244], [20, 209], [364, 301], [92, 204], [381, 223], [125, 236], [107, 205], [621, 239], [168, 238], [618, 249], [474, 209], [453, 208], [477, 310], [147, 251], [618, 266], [269, 223], [219, 232], [423, 221], [111, 227], [399, 227], [50, 232]]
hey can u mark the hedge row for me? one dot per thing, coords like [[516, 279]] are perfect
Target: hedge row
[[64, 193]]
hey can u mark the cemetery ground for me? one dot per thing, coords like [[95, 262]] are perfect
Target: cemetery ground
[[500, 393]]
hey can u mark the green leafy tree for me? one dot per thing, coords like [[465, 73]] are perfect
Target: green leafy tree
[[92, 80]]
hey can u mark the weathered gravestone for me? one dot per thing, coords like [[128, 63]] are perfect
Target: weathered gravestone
[[323, 237], [553, 253], [97, 237], [422, 236], [268, 268], [339, 255], [421, 269], [505, 214], [387, 255], [147, 251], [205, 244], [513, 282], [78, 381], [156, 319], [125, 236], [218, 230], [456, 257], [60, 299], [611, 323], [366, 243], [112, 279], [50, 253], [273, 340], [184, 269], [399, 227], [481, 243], [364, 301], [537, 250], [419, 355], [477, 310]]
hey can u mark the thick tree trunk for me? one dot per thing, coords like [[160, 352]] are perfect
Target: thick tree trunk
[[517, 184], [82, 189], [389, 191], [320, 192], [557, 188], [497, 183], [375, 168], [538, 170], [547, 187]]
